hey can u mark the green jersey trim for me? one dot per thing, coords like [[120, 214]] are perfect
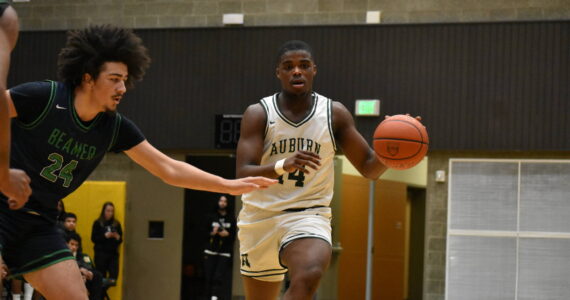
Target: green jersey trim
[[116, 129], [44, 113], [78, 121]]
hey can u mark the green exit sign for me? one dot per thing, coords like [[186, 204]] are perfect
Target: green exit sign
[[367, 108]]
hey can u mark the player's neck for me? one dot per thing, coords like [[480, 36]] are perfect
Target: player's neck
[[85, 106], [296, 103]]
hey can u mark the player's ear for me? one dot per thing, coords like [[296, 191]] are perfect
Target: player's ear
[[314, 70], [87, 78], [277, 72]]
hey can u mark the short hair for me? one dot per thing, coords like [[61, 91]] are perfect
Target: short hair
[[69, 215], [88, 49], [293, 45], [72, 236]]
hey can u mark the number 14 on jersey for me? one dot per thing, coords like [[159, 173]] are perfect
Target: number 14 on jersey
[[297, 176]]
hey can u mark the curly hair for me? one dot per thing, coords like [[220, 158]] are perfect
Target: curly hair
[[88, 49]]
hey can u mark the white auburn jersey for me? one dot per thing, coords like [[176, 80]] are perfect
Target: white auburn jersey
[[283, 138]]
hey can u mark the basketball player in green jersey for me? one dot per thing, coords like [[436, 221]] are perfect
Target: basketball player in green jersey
[[61, 132], [293, 135]]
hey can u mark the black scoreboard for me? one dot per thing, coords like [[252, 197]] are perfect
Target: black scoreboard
[[227, 131]]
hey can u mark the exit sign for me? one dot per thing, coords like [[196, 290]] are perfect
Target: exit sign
[[367, 108]]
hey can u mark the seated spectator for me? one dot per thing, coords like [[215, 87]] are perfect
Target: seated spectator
[[93, 278], [69, 224]]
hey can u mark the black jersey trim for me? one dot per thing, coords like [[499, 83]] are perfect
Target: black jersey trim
[[78, 121], [330, 121], [265, 275], [266, 109], [116, 129], [307, 118], [44, 113]]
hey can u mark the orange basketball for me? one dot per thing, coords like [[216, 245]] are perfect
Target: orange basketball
[[401, 142]]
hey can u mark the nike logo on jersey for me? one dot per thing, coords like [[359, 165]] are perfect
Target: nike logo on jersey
[[60, 107], [271, 122]]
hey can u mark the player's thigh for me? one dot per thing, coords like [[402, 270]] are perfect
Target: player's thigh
[[306, 255], [260, 290], [59, 281]]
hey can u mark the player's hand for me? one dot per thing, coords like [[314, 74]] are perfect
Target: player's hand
[[248, 184], [301, 160], [223, 233], [17, 189]]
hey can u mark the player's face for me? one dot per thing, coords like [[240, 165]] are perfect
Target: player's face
[[73, 245], [109, 87], [109, 212], [70, 224], [296, 70]]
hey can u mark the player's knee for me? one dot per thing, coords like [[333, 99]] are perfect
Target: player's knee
[[308, 277]]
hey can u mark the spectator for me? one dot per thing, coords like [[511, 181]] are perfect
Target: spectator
[[107, 235], [217, 255], [60, 211], [93, 278], [69, 224]]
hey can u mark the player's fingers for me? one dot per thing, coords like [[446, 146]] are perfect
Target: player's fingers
[[260, 181], [304, 158], [12, 204], [310, 153], [311, 165], [27, 191], [302, 168], [419, 118], [27, 179]]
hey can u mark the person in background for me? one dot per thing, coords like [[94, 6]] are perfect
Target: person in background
[[107, 235], [93, 278], [217, 255], [69, 224]]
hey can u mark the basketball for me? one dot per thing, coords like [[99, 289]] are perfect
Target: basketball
[[400, 142]]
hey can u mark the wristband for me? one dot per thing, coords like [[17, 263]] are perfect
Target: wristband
[[279, 167]]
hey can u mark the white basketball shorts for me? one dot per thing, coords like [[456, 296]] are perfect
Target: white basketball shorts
[[262, 235]]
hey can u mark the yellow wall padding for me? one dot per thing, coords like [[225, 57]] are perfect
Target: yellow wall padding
[[86, 202]]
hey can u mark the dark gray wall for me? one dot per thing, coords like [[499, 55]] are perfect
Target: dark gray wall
[[488, 86]]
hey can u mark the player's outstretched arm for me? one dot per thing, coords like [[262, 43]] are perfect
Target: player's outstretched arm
[[250, 149], [181, 174], [354, 146]]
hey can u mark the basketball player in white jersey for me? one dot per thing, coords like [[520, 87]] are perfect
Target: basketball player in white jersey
[[293, 135]]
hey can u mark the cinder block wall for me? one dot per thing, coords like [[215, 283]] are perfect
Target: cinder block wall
[[66, 14]]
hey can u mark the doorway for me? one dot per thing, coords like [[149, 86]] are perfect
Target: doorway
[[197, 206]]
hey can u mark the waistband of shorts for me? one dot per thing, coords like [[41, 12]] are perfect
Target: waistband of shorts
[[296, 209]]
